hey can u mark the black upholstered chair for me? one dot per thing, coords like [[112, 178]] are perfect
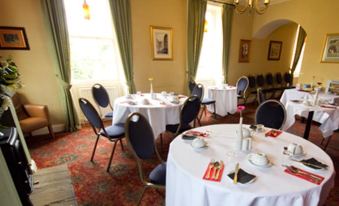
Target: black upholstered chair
[[102, 100], [260, 96], [279, 87], [269, 89], [260, 80], [288, 80], [242, 85], [189, 113], [114, 133], [199, 92], [191, 85], [271, 113], [140, 139]]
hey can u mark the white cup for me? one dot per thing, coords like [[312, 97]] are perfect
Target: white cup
[[260, 128], [291, 148], [246, 144], [198, 143], [259, 159], [298, 150]]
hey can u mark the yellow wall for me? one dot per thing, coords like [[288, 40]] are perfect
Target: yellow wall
[[37, 65], [168, 75], [318, 19]]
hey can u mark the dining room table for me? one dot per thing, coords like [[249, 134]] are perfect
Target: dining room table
[[297, 94], [225, 97], [160, 109], [271, 184]]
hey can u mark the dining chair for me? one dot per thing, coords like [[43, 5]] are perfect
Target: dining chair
[[199, 92], [242, 85], [188, 113], [288, 80], [140, 140], [271, 113], [113, 133], [260, 96], [191, 85], [102, 100], [269, 85], [279, 87]]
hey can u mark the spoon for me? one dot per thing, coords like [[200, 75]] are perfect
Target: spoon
[[210, 166]]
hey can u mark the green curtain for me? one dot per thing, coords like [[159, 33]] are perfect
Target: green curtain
[[300, 43], [195, 32], [57, 19], [227, 16], [121, 12]]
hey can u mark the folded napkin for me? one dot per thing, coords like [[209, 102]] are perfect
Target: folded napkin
[[296, 100], [313, 163], [308, 176], [243, 176], [213, 172], [273, 133], [188, 137], [196, 133]]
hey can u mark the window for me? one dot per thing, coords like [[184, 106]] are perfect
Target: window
[[94, 49], [210, 61]]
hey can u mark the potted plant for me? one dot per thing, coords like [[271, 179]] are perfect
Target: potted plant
[[9, 77]]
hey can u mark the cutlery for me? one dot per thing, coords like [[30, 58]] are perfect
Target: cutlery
[[215, 166], [218, 168], [210, 166], [235, 179], [310, 164], [295, 170]]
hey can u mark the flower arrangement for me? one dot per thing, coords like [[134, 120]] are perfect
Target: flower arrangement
[[240, 108], [9, 76]]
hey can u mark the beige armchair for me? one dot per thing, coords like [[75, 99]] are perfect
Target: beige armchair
[[31, 116]]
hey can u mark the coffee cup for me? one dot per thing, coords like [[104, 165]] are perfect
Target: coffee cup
[[298, 150], [198, 143], [291, 148], [258, 159], [260, 128]]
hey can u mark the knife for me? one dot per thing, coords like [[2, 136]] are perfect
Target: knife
[[235, 179]]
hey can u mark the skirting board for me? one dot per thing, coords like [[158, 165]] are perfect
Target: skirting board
[[43, 131]]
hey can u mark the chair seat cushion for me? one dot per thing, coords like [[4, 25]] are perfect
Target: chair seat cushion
[[109, 115], [158, 174], [33, 123], [114, 131], [208, 101], [174, 127]]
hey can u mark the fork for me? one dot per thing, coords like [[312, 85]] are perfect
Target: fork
[[295, 170], [210, 166], [218, 168]]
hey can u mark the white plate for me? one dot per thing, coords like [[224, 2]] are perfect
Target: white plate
[[199, 149], [269, 164]]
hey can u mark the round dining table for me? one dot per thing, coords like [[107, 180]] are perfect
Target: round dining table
[[225, 99], [186, 167], [159, 109]]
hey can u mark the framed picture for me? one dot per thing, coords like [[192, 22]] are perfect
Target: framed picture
[[331, 49], [244, 50], [162, 43], [13, 38], [274, 50]]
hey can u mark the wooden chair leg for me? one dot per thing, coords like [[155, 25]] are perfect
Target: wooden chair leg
[[50, 129], [110, 159], [328, 141], [95, 147], [122, 145], [142, 194]]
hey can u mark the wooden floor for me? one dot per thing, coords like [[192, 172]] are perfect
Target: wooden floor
[[54, 187]]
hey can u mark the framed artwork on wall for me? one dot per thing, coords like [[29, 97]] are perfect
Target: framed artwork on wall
[[331, 49], [13, 38], [162, 43], [244, 50], [274, 50]]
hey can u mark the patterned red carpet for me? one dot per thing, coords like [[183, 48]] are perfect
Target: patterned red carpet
[[121, 186]]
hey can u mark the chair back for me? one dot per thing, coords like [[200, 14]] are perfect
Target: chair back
[[288, 79], [278, 78], [260, 80], [140, 136], [242, 85], [260, 96], [269, 79], [190, 110], [90, 113], [191, 85], [271, 113], [100, 95], [198, 91], [251, 82]]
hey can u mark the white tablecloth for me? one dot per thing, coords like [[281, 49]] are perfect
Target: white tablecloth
[[294, 94], [327, 117], [225, 100], [159, 113], [186, 167]]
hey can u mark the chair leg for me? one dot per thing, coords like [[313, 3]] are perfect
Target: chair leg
[[161, 143], [328, 141], [142, 194], [50, 129], [122, 145], [95, 147], [110, 159], [214, 111]]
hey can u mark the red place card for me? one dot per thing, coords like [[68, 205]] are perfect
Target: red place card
[[196, 133], [212, 173], [273, 133]]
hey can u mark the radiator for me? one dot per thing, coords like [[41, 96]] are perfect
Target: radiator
[[85, 91]]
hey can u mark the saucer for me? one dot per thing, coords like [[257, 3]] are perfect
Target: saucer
[[269, 164], [199, 149]]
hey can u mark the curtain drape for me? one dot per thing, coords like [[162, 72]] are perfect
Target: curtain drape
[[300, 43], [195, 32], [227, 15], [121, 12], [58, 23]]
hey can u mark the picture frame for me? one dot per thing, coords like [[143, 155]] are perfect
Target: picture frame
[[13, 38], [331, 49], [244, 50], [161, 43], [274, 50]]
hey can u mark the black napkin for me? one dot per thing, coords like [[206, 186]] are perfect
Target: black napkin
[[188, 137], [313, 163], [243, 176]]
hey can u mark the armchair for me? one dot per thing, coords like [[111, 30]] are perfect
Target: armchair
[[32, 116]]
